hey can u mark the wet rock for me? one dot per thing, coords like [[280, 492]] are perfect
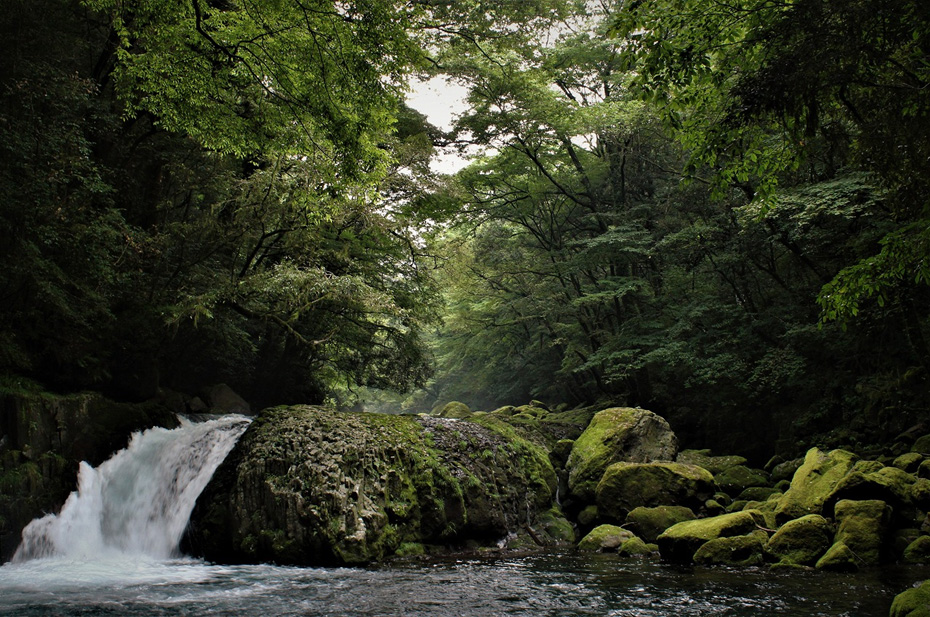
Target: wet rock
[[813, 483], [614, 435], [801, 541], [679, 542], [306, 485], [636, 547], [649, 523]]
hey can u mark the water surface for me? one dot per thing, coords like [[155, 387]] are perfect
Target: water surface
[[555, 584]]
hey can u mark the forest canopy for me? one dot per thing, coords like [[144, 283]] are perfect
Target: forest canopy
[[714, 210]]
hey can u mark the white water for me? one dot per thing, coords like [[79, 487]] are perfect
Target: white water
[[136, 505]]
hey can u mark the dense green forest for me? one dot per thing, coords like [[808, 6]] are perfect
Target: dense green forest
[[714, 210]]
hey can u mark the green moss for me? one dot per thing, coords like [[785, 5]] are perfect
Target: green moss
[[744, 550], [914, 602], [801, 541], [605, 538]]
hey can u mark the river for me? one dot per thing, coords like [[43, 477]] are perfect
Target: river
[[552, 584]]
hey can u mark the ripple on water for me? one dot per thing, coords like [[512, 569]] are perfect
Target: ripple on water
[[554, 585]]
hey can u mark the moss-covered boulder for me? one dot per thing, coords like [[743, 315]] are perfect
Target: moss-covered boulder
[[872, 480], [454, 409], [649, 523], [758, 493], [914, 602], [605, 538], [306, 485], [909, 461], [555, 528], [713, 464], [917, 551], [838, 558], [745, 550], [813, 483], [863, 526], [614, 435], [626, 486], [636, 547], [679, 542], [737, 478], [922, 445], [801, 541]]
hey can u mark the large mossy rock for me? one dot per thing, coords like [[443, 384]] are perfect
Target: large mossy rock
[[869, 480], [627, 486], [680, 542], [744, 550], [802, 541], [649, 523], [914, 602], [614, 435], [305, 485], [863, 527], [713, 464], [814, 482], [737, 478], [605, 538]]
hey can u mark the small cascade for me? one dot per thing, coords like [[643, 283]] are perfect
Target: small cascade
[[137, 503]]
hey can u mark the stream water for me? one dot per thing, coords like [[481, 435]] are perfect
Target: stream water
[[112, 550]]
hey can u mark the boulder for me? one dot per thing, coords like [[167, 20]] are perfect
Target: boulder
[[605, 538], [679, 542], [626, 486], [745, 550], [734, 480], [223, 399], [786, 470], [649, 523], [801, 541], [909, 462], [454, 409], [872, 480], [713, 464], [922, 445], [813, 483], [838, 558], [614, 435], [556, 529], [918, 551], [307, 486], [758, 493], [862, 526], [914, 602], [636, 547]]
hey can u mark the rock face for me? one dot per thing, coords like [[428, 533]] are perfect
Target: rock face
[[310, 486], [626, 486], [614, 435]]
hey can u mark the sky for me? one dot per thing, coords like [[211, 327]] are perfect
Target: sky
[[440, 100]]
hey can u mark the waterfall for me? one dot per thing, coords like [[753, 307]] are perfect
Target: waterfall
[[137, 503]]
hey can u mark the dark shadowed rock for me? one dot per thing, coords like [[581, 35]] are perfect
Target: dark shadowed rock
[[311, 486]]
